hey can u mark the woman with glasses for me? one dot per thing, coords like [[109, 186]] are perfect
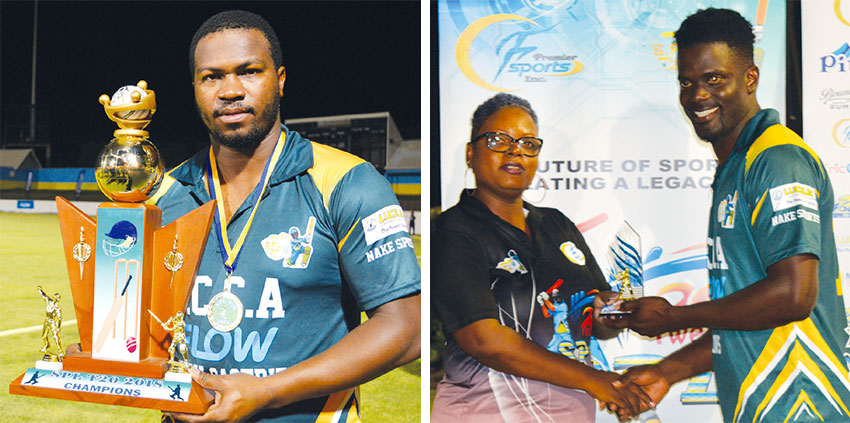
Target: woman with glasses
[[517, 291]]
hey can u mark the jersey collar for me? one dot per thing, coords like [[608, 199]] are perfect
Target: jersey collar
[[764, 119], [478, 209], [480, 212]]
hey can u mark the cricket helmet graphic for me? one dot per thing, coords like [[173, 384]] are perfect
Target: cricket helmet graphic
[[556, 296], [294, 232], [120, 239]]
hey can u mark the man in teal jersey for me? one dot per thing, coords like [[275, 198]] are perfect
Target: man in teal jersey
[[290, 346], [776, 338]]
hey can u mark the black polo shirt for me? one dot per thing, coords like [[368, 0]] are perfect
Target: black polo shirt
[[484, 267], [474, 276]]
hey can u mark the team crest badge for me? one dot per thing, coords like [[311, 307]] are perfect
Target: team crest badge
[[293, 247], [726, 211], [572, 253], [512, 264]]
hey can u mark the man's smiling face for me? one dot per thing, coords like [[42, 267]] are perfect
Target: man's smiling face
[[717, 90]]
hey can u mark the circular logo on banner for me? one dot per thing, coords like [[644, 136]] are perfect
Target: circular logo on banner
[[464, 44], [573, 253], [842, 207], [512, 54], [840, 15], [841, 133]]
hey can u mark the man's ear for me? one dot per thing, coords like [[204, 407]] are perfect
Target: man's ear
[[752, 79], [281, 79]]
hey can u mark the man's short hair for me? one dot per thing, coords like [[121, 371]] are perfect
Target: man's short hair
[[496, 103], [236, 19], [718, 25]]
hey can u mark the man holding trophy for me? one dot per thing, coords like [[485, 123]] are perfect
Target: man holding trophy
[[777, 327], [277, 337]]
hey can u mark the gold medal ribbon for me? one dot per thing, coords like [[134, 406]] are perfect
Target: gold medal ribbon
[[230, 254]]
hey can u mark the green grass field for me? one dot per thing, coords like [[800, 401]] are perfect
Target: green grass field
[[31, 255]]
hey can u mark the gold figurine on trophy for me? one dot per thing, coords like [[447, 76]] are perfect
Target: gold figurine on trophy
[[624, 255], [626, 292], [51, 327], [177, 327]]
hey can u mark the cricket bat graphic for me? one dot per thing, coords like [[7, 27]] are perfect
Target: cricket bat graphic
[[311, 226], [117, 305]]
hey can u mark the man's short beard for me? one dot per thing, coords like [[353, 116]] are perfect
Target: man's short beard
[[256, 133]]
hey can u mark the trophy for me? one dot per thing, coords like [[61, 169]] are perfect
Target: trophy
[[50, 329], [124, 270], [626, 268]]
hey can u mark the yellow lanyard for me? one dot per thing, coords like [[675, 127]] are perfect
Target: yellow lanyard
[[230, 254]]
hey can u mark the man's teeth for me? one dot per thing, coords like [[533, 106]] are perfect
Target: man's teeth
[[704, 113]]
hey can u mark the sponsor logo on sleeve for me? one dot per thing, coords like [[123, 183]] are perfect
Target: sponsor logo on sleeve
[[793, 195], [383, 223], [793, 215]]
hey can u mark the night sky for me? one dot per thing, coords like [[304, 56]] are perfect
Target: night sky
[[340, 58]]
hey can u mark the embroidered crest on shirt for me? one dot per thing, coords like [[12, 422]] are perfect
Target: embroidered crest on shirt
[[293, 247], [726, 211], [512, 264], [572, 253]]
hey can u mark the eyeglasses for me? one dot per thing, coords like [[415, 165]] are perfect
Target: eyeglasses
[[502, 143]]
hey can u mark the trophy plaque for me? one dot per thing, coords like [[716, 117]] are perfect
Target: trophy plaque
[[624, 256], [124, 270]]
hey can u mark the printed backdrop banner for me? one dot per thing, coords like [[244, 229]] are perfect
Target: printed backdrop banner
[[602, 77], [826, 107]]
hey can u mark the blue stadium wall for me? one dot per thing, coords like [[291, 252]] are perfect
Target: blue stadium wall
[[404, 182]]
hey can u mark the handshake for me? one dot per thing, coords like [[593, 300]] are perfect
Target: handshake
[[641, 387]]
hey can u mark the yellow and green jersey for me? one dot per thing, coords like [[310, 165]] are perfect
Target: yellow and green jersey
[[772, 200], [327, 240]]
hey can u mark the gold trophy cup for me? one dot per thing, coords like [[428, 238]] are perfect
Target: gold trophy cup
[[124, 268]]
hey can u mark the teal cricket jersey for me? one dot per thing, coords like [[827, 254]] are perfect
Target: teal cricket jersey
[[773, 199], [327, 241]]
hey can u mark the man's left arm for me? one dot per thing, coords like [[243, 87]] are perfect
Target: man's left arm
[[782, 180]]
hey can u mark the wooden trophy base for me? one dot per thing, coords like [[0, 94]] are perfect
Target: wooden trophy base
[[137, 381], [112, 382]]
